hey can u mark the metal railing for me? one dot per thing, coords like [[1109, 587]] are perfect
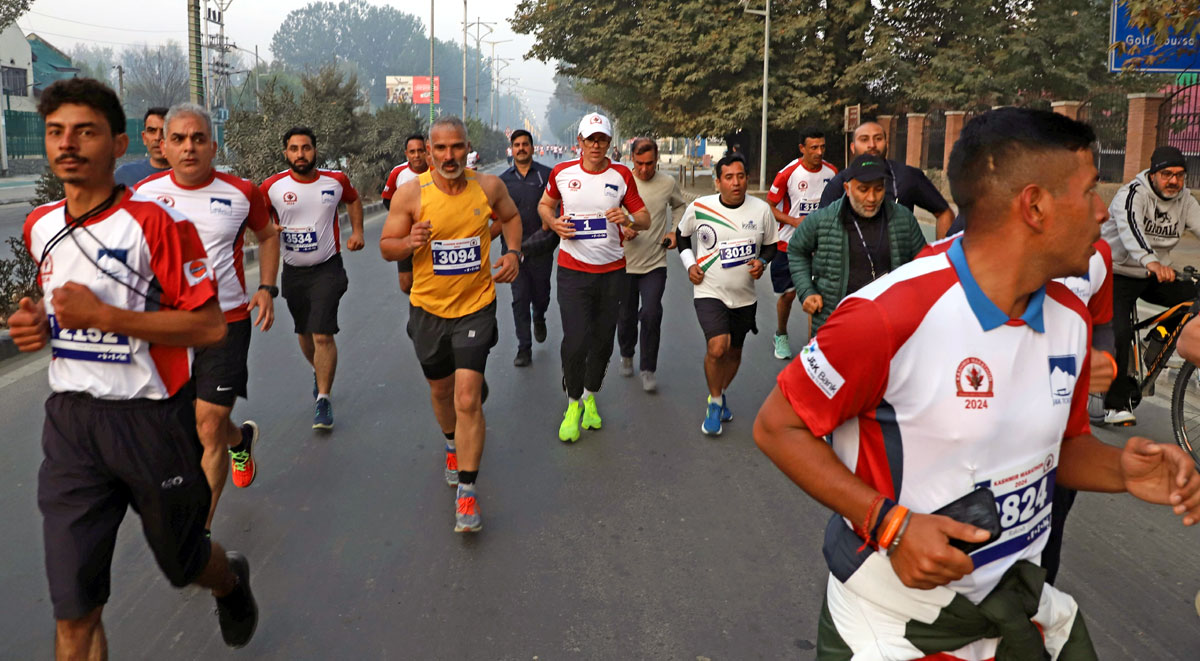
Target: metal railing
[[935, 141], [1179, 126], [1108, 114], [26, 134], [898, 144]]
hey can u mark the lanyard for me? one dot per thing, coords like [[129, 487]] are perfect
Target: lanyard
[[863, 241]]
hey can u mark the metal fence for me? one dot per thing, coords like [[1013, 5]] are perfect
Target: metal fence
[[935, 140], [26, 135], [1108, 113], [898, 144], [1179, 126]]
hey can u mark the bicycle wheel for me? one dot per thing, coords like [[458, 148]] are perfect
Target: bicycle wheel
[[1185, 410]]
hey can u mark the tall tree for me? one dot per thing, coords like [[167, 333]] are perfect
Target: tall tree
[[11, 10], [94, 60], [154, 76]]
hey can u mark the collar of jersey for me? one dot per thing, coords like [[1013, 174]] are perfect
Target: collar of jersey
[[212, 176], [116, 206], [292, 174], [991, 317]]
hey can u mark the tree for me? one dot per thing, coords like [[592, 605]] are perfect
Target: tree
[[94, 61], [154, 76], [11, 10], [1163, 19], [565, 109]]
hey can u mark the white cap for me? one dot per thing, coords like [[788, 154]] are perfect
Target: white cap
[[594, 123]]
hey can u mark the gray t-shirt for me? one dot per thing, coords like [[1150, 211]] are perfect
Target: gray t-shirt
[[662, 195], [131, 173]]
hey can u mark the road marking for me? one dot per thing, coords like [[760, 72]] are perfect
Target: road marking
[[19, 373]]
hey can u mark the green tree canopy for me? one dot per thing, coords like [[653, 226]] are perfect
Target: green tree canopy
[[11, 10]]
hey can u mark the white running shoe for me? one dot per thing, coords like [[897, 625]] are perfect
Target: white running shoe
[[1119, 418]]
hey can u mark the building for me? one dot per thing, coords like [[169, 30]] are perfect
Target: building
[[49, 64], [16, 71]]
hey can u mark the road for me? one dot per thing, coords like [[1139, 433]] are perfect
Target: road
[[645, 540]]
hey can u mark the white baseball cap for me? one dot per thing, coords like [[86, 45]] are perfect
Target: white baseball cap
[[594, 123]]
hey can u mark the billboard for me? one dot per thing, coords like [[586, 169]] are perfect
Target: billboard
[[412, 89], [1180, 54]]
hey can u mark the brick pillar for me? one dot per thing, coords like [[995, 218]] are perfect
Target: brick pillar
[[1141, 132], [888, 122], [955, 119], [1068, 108], [916, 139]]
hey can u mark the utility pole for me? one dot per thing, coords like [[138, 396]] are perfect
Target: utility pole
[[195, 54], [478, 25], [430, 64], [495, 75], [120, 81], [464, 67], [765, 13]]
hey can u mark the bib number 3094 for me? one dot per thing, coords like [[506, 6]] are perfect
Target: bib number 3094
[[456, 256]]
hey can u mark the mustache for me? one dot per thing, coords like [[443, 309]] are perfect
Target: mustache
[[70, 157]]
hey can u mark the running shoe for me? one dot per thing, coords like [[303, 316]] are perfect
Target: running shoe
[[237, 611], [649, 382], [1119, 418], [539, 330], [323, 419], [626, 366], [726, 414], [242, 461], [591, 416], [568, 431], [466, 510], [451, 467], [712, 419], [783, 350], [523, 359]]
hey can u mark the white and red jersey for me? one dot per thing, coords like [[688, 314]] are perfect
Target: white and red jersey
[[221, 209], [598, 245], [1094, 288], [400, 175], [307, 214], [135, 249], [928, 391], [796, 191]]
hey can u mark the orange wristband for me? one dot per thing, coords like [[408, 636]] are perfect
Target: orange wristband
[[889, 533], [1112, 361]]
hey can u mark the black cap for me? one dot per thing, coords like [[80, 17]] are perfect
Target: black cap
[[867, 168], [1166, 157]]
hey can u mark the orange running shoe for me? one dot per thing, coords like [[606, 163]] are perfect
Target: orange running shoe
[[451, 467], [243, 460], [466, 516]]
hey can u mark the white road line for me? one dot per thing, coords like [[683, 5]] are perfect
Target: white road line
[[39, 365]]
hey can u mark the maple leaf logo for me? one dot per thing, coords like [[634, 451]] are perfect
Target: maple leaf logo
[[975, 378]]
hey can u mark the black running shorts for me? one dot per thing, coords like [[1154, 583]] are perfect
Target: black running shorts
[[220, 370], [313, 294], [404, 265], [102, 456], [444, 345], [717, 319]]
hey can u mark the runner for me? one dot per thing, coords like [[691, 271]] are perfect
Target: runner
[[795, 193], [591, 263], [441, 220], [893, 415], [152, 133], [304, 200], [736, 237], [128, 290], [525, 181], [473, 160], [414, 151], [646, 264], [222, 207]]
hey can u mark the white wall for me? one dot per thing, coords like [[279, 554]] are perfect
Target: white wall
[[15, 52]]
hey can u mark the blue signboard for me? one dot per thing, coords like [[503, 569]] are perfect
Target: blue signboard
[[1179, 55]]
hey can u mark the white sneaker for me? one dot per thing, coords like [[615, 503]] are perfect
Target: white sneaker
[[649, 383], [1119, 418], [626, 366], [783, 350]]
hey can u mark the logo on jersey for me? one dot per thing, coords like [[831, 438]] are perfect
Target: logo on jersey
[[611, 190], [1063, 373], [327, 197], [574, 184], [195, 271], [819, 370], [707, 236], [167, 200], [47, 269], [289, 198], [220, 206], [750, 225], [803, 185], [974, 379]]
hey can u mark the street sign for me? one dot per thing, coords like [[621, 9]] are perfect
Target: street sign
[[1178, 55], [851, 118], [412, 89]]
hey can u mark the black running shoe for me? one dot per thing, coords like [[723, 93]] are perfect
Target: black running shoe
[[237, 611], [539, 331]]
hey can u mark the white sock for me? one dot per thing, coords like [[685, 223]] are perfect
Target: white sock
[[587, 393], [572, 400], [322, 395]]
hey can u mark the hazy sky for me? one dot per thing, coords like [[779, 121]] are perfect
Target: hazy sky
[[119, 23]]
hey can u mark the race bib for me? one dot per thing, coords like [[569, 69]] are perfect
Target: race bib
[[88, 344], [300, 239], [456, 256], [736, 252], [1023, 498], [590, 227]]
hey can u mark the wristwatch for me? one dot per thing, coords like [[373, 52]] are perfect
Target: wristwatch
[[520, 255], [271, 289]]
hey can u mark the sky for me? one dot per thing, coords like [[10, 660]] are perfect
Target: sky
[[253, 22]]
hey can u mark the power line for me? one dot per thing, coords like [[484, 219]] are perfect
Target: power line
[[93, 25], [85, 39]]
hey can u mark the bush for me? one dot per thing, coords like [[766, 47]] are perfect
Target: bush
[[18, 276]]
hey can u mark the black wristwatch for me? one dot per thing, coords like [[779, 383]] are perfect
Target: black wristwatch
[[520, 255], [271, 289]]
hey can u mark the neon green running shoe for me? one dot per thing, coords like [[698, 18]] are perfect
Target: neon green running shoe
[[568, 431], [591, 417]]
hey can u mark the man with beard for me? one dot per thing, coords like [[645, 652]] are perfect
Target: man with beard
[[414, 151], [1147, 218], [304, 201], [152, 133], [904, 184], [452, 314], [839, 249]]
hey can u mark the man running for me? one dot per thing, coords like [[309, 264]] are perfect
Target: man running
[[441, 221], [525, 181], [152, 131], [414, 151], [646, 264], [221, 207], [305, 200], [591, 263], [735, 237], [795, 193], [939, 408], [128, 290]]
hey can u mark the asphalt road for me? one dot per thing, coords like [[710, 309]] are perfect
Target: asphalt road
[[645, 540]]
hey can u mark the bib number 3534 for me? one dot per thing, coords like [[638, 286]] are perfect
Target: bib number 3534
[[456, 256]]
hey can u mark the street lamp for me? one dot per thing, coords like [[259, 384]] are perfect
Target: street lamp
[[495, 74], [765, 13]]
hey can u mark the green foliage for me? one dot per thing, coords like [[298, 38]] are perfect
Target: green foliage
[[48, 188], [491, 144], [154, 76], [18, 277], [565, 109], [1162, 19], [11, 10], [383, 144]]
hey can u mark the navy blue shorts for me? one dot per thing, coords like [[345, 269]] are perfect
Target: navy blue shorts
[[781, 277]]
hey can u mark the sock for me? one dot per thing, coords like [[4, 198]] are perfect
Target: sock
[[322, 395], [449, 440], [467, 477], [572, 400], [587, 393]]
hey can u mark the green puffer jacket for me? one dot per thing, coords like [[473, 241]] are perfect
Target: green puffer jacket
[[819, 253]]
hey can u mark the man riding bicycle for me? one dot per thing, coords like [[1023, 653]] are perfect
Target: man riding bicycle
[[1146, 220]]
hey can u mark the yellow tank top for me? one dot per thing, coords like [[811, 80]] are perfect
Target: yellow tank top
[[452, 274]]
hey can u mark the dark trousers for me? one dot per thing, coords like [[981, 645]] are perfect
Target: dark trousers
[[589, 304], [1126, 292], [531, 291], [649, 287], [1061, 504]]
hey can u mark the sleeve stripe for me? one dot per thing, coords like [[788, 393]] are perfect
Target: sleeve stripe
[[1132, 219]]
